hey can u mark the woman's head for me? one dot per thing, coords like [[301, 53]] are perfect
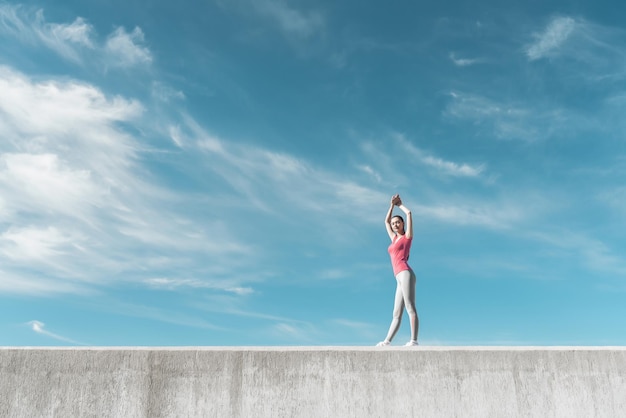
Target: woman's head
[[397, 224]]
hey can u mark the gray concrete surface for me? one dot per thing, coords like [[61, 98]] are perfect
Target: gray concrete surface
[[313, 382]]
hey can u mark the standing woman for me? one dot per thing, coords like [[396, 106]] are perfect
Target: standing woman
[[401, 238]]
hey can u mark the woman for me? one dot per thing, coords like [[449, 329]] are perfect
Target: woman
[[399, 249]]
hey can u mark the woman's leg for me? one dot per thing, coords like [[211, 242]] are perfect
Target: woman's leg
[[406, 282], [398, 304]]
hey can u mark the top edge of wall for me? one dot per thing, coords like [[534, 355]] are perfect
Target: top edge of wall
[[320, 348]]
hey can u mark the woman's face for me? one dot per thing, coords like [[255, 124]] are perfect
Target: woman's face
[[397, 225]]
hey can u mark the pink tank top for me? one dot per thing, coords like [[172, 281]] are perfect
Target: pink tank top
[[399, 253]]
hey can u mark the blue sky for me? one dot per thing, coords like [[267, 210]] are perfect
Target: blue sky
[[217, 173]]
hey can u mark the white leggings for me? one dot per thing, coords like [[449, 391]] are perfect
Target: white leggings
[[405, 297]]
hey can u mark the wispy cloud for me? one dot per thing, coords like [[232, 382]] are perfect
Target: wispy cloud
[[264, 176], [21, 282], [31, 27], [584, 49], [169, 316], [547, 43], [283, 328], [78, 32], [361, 329], [383, 161], [172, 284], [77, 204], [511, 120], [38, 327], [81, 207], [593, 253], [615, 198], [423, 173], [290, 20], [76, 41], [351, 323], [335, 274], [442, 166], [33, 243], [463, 62], [126, 49], [484, 214], [293, 334], [165, 93], [370, 171]]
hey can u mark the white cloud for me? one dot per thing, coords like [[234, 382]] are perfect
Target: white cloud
[[172, 284], [272, 180], [176, 136], [11, 23], [238, 305], [38, 327], [269, 179], [463, 62], [33, 243], [362, 329], [76, 41], [157, 314], [352, 324], [369, 170], [557, 32], [68, 40], [78, 32], [335, 274], [25, 283], [615, 198], [513, 120], [241, 291], [290, 20], [42, 181], [47, 107], [581, 49], [44, 120], [463, 170], [164, 93], [289, 332], [126, 50], [401, 165], [592, 252], [475, 106], [488, 215], [78, 206], [442, 166]]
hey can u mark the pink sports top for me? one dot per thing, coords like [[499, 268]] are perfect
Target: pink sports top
[[399, 253]]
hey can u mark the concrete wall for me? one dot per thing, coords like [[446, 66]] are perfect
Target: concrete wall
[[313, 382]]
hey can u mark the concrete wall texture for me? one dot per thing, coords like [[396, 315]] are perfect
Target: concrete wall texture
[[313, 382]]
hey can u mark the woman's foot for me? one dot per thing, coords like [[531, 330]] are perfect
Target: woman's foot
[[411, 343], [383, 343]]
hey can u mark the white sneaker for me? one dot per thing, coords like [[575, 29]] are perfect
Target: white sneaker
[[383, 343], [411, 343]]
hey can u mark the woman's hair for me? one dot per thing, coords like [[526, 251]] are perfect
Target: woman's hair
[[398, 216]]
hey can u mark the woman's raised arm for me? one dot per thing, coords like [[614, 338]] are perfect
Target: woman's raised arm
[[408, 230], [394, 200]]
